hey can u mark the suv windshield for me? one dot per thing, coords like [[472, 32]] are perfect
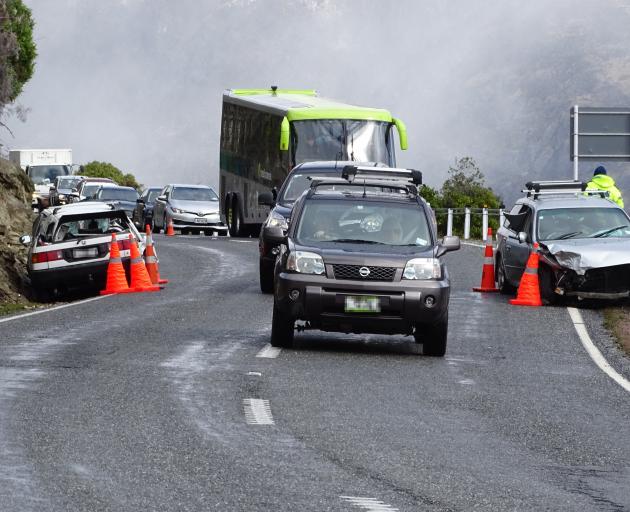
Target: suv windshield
[[39, 173], [194, 194], [152, 195], [363, 222], [565, 223], [117, 194], [342, 139], [297, 184]]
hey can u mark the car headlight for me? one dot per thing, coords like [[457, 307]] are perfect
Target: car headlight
[[277, 220], [176, 210], [422, 268], [305, 263]]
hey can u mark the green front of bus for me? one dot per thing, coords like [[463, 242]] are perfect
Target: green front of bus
[[357, 134]]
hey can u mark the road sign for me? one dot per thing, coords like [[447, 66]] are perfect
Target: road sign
[[599, 133]]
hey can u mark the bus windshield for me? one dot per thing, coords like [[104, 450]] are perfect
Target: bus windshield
[[342, 139]]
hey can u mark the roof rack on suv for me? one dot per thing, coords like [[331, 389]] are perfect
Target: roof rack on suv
[[538, 188], [350, 172]]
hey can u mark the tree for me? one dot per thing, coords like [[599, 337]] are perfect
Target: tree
[[465, 187], [106, 170], [17, 51]]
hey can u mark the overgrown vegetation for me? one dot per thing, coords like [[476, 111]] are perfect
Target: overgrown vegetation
[[106, 170], [464, 187], [17, 54], [617, 321]]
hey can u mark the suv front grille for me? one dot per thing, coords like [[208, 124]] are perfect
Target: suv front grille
[[353, 272]]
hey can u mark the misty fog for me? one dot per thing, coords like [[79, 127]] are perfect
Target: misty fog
[[139, 82]]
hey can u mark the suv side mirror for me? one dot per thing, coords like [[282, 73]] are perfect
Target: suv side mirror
[[25, 240], [266, 199], [523, 237], [274, 233], [447, 244]]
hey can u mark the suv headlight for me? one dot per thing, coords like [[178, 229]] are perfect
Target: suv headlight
[[422, 268], [305, 263], [277, 220], [177, 210]]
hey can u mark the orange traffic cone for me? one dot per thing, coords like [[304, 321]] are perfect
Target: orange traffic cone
[[151, 261], [529, 288], [170, 231], [487, 272], [140, 280], [116, 278]]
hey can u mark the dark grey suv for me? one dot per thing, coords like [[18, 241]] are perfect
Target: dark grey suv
[[361, 255]]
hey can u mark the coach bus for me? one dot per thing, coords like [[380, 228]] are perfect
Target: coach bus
[[266, 132]]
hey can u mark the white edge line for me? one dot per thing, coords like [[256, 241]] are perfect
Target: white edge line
[[593, 351], [54, 308], [269, 352], [473, 244]]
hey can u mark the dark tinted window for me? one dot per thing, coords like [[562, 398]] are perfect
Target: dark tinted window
[[117, 194]]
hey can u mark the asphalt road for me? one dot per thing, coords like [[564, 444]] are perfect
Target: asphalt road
[[158, 401]]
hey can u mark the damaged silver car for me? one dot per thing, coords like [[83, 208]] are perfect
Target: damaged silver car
[[584, 242]]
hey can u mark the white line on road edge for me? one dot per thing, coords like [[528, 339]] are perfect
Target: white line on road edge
[[472, 244], [244, 241], [593, 351], [257, 411], [46, 310], [269, 352], [369, 504]]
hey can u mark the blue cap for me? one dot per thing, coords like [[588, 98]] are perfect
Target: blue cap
[[600, 170]]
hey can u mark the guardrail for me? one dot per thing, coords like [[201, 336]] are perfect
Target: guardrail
[[467, 213]]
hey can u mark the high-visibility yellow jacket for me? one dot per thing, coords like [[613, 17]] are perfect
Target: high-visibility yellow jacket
[[605, 182]]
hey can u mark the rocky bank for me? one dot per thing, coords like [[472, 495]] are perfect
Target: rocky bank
[[16, 219]]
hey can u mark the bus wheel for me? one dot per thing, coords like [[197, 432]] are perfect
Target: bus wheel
[[235, 223]]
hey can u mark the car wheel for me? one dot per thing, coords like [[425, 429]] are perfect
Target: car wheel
[[502, 283], [433, 337], [546, 279], [282, 329], [265, 276]]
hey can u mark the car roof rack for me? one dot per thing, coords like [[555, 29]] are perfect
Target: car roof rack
[[350, 172], [540, 188], [367, 183]]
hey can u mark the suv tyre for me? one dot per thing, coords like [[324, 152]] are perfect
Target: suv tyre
[[433, 337], [265, 273], [503, 285], [282, 329]]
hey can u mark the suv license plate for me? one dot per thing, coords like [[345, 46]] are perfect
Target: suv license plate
[[200, 221], [85, 253], [362, 304]]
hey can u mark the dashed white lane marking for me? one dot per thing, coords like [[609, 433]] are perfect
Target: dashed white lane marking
[[593, 351], [243, 241], [54, 308], [254, 374], [257, 411], [466, 382], [269, 352], [369, 504]]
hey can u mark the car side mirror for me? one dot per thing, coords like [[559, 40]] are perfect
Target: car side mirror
[[448, 244], [162, 198], [266, 199], [523, 237], [274, 233], [26, 240]]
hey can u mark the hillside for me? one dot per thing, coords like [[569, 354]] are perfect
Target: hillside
[[16, 219]]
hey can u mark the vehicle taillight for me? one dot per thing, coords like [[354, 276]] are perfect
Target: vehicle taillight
[[44, 257]]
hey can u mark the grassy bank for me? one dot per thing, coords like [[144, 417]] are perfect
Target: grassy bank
[[617, 321]]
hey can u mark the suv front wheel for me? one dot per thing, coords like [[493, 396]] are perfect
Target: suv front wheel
[[433, 337], [282, 329]]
